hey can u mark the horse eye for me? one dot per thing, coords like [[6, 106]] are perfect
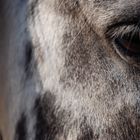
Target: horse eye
[[129, 43]]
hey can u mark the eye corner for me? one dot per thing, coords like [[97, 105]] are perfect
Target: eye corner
[[128, 48], [126, 42]]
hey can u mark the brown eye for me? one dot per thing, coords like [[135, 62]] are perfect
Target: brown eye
[[129, 43]]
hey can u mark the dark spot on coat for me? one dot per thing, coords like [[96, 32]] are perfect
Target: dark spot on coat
[[28, 58], [48, 124], [21, 128], [87, 132], [32, 7]]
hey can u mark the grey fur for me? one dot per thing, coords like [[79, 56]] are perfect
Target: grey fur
[[80, 88]]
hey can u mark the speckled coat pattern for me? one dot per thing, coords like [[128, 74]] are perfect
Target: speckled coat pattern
[[60, 76]]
